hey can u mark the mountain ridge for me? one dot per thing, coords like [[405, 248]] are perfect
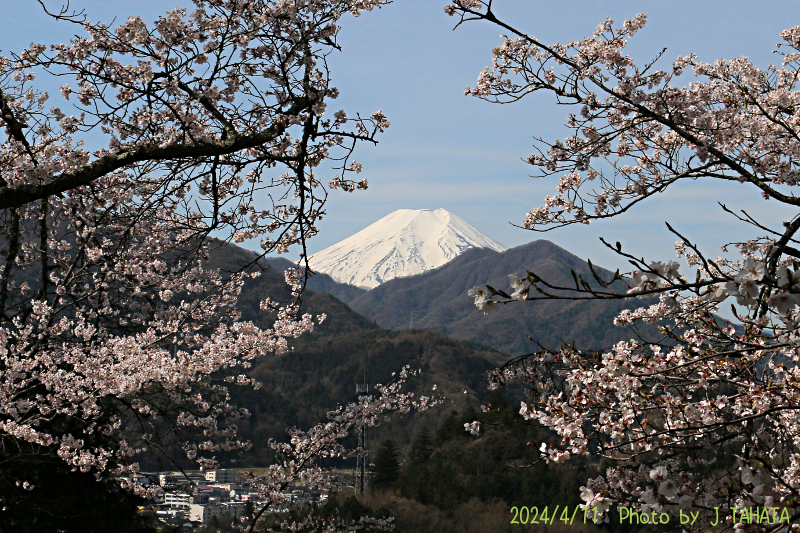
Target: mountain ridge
[[438, 300]]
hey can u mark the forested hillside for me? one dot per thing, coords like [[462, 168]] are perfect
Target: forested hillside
[[448, 481], [321, 371]]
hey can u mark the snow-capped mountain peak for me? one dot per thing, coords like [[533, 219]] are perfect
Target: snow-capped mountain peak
[[403, 243]]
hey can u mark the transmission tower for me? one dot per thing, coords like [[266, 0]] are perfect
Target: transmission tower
[[361, 459]]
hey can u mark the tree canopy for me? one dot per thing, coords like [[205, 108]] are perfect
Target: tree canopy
[[117, 338], [706, 418]]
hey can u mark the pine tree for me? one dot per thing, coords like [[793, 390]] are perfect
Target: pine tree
[[386, 468], [448, 428], [422, 447]]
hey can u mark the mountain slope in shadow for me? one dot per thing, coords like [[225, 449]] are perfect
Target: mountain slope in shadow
[[438, 300]]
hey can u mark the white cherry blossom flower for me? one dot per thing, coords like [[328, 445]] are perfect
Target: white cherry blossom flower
[[487, 306], [752, 270], [658, 473], [479, 293], [668, 489]]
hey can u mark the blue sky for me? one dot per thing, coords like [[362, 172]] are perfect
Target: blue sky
[[465, 155]]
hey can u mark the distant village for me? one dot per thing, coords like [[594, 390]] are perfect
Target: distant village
[[192, 498]]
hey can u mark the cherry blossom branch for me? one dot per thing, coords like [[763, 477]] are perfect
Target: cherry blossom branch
[[103, 166], [706, 417]]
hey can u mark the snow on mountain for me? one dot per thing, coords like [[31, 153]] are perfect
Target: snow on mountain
[[403, 243]]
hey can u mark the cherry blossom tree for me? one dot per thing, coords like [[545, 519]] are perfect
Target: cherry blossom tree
[[705, 420], [115, 337]]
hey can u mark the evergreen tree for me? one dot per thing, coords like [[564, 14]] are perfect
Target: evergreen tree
[[448, 428], [422, 447], [386, 468]]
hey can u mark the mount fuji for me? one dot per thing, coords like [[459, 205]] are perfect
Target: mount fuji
[[404, 243]]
